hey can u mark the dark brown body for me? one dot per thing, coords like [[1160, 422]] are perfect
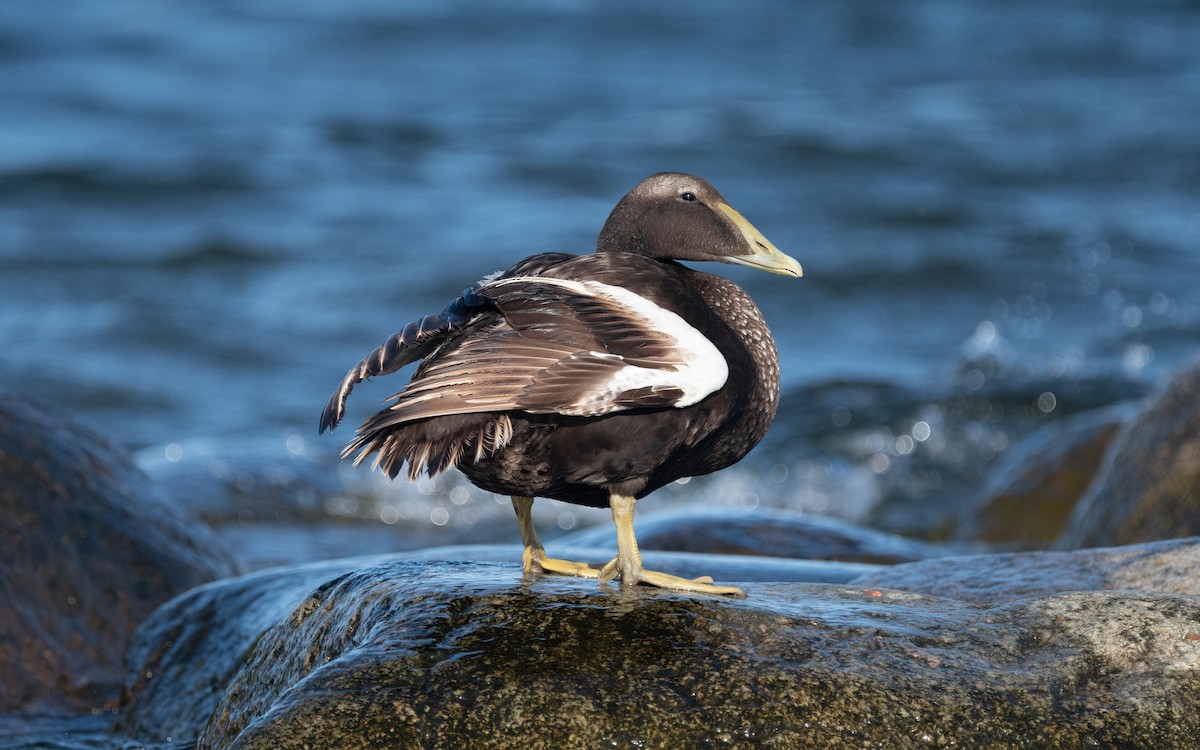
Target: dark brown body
[[585, 459]]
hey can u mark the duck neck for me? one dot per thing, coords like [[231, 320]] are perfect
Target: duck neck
[[620, 231]]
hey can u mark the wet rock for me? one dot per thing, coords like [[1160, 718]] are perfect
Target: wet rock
[[1041, 479], [437, 654], [684, 564], [765, 532], [188, 651], [87, 551], [1149, 486], [182, 660], [1166, 566]]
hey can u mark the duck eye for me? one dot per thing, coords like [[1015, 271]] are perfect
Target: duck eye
[[688, 196]]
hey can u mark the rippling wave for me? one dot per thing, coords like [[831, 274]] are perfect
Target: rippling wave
[[208, 211]]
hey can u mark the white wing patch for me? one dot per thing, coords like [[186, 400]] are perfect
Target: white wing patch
[[698, 368]]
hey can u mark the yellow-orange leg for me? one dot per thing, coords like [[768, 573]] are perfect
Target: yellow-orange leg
[[534, 557], [628, 562]]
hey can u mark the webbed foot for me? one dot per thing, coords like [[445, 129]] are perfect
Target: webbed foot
[[535, 558], [537, 561], [628, 562]]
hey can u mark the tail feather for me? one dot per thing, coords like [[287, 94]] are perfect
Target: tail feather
[[415, 444]]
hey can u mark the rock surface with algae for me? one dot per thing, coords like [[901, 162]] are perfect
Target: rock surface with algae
[[408, 653]]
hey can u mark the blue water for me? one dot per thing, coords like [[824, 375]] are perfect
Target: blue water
[[210, 210]]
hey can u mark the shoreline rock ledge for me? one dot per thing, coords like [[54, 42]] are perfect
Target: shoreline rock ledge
[[410, 653]]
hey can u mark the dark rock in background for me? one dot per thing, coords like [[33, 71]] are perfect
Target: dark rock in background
[[88, 549], [1035, 488], [1149, 485]]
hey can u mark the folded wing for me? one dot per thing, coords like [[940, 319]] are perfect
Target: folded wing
[[556, 346]]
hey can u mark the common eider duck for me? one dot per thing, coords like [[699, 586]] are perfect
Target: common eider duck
[[592, 379]]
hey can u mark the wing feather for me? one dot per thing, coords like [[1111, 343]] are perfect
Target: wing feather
[[563, 347], [535, 339], [415, 341]]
